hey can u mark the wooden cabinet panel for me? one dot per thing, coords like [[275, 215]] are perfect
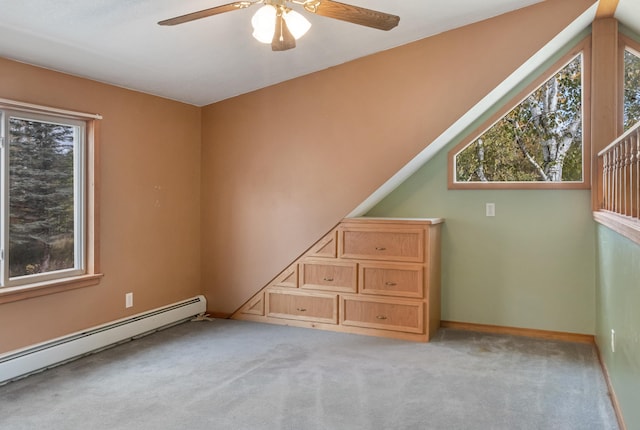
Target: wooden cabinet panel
[[307, 306], [325, 247], [382, 244], [328, 275], [401, 280], [386, 314], [371, 276], [255, 306], [288, 278]]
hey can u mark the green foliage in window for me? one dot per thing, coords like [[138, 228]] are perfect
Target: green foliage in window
[[539, 140], [41, 197], [631, 89]]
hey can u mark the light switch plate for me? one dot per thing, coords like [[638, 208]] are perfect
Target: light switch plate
[[491, 209]]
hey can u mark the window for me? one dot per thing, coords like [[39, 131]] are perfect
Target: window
[[43, 190], [631, 104], [538, 143], [46, 210]]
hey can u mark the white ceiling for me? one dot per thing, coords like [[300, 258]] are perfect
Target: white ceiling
[[204, 61]]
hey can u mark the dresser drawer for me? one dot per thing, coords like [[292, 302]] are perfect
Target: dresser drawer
[[401, 280], [382, 244], [305, 306], [386, 314], [329, 276]]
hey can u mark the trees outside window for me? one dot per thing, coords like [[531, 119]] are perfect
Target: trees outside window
[[43, 197], [631, 101], [540, 140]]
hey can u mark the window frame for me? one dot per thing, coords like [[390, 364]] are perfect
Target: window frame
[[626, 226], [85, 228], [583, 47], [624, 43]]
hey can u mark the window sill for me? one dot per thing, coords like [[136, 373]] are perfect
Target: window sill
[[624, 225], [22, 292], [533, 185]]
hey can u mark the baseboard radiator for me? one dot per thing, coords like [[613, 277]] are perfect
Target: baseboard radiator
[[19, 363]]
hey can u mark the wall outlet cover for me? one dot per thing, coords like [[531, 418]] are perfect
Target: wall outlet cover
[[613, 340], [491, 209]]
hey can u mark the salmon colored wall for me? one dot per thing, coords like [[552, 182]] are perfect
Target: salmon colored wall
[[245, 185], [149, 235], [281, 166]]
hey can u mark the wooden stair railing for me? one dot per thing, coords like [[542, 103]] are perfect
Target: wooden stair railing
[[619, 184]]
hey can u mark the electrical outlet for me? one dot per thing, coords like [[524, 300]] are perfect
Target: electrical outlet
[[613, 340], [128, 300], [491, 209]]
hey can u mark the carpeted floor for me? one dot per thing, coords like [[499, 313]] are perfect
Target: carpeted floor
[[238, 375]]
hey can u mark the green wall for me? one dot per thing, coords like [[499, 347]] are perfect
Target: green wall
[[618, 298], [530, 266]]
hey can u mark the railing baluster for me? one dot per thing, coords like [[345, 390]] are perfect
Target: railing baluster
[[616, 171], [612, 176], [633, 198], [637, 181], [620, 175], [609, 205], [604, 162], [621, 179], [612, 168], [626, 177]]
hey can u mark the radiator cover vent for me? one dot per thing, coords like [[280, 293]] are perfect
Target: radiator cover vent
[[23, 362]]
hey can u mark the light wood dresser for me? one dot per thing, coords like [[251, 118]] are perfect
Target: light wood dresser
[[373, 276]]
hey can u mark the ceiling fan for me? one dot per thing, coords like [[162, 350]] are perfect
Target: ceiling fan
[[278, 24]]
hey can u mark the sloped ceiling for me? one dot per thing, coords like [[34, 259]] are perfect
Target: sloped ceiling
[[120, 43], [628, 13]]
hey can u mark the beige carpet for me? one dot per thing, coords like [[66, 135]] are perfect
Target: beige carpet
[[239, 375]]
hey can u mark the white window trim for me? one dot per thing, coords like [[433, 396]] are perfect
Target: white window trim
[[86, 225], [34, 108], [78, 195], [633, 47], [584, 48]]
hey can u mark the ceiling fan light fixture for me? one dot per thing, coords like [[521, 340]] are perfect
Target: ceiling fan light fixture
[[298, 25], [281, 26], [264, 24]]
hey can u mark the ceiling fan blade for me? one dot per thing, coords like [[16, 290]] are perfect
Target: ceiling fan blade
[[282, 37], [208, 12], [354, 14]]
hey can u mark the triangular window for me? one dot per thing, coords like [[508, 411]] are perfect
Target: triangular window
[[539, 141]]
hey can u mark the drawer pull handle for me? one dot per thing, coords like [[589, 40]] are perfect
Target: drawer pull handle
[[380, 248], [390, 284], [328, 279], [301, 309], [381, 317]]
